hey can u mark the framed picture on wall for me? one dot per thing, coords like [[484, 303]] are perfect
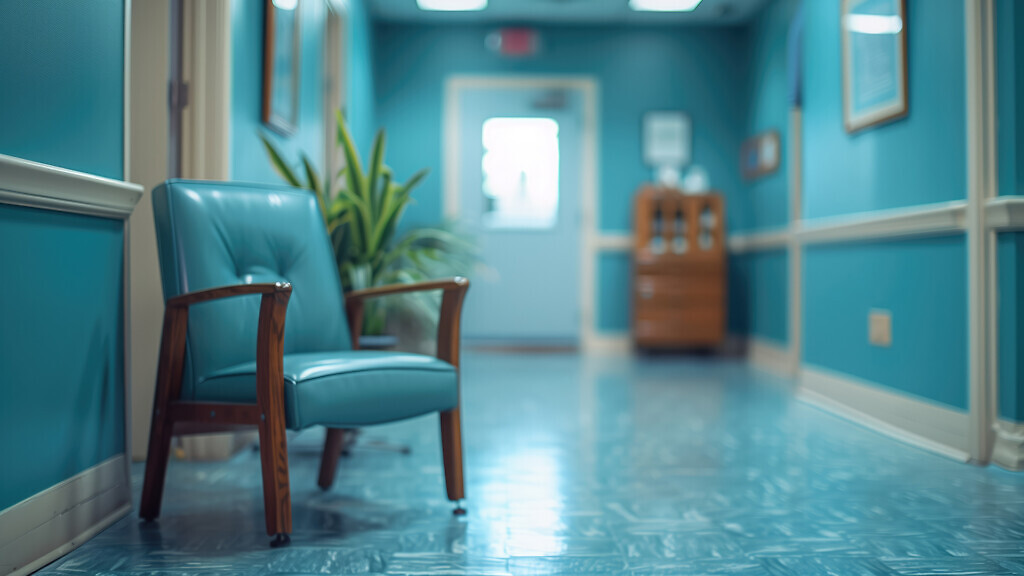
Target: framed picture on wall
[[281, 65], [759, 154], [874, 54]]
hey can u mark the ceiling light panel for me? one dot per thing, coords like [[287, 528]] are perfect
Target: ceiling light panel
[[452, 5], [664, 5]]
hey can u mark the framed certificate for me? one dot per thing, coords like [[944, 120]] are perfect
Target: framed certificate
[[874, 54], [666, 137], [281, 65]]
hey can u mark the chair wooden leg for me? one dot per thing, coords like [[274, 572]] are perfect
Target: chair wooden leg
[[329, 461], [156, 463], [451, 445], [277, 500]]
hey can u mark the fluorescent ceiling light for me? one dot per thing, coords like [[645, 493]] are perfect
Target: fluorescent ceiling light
[[286, 4], [663, 5], [452, 5], [872, 24]]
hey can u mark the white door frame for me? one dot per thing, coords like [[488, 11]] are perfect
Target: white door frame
[[336, 31], [455, 85], [982, 185]]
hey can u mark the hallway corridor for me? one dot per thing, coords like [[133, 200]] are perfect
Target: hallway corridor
[[596, 465]]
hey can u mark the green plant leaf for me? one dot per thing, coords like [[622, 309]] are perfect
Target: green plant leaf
[[279, 164], [376, 162], [315, 185]]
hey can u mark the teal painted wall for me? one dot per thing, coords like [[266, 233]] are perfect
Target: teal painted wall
[[764, 302], [767, 198], [1010, 248], [61, 347], [1009, 252], [1010, 95], [62, 93], [614, 291], [637, 69], [361, 108], [922, 282], [700, 71], [917, 160], [248, 158], [759, 282]]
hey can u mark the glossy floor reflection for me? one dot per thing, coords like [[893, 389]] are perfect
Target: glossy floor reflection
[[596, 466]]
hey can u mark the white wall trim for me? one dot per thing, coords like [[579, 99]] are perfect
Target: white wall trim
[[796, 268], [126, 76], [613, 242], [206, 68], [1005, 213], [1008, 451], [924, 220], [51, 523], [982, 182], [746, 242], [912, 420], [770, 355], [1002, 214], [914, 221], [591, 239], [27, 183], [609, 343]]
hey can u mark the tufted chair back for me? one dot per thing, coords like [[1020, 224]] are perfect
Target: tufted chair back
[[213, 234]]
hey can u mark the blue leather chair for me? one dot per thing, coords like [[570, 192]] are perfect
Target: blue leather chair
[[258, 333]]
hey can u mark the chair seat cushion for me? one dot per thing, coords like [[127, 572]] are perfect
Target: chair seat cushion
[[345, 388]]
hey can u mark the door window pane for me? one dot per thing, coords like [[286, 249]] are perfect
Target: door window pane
[[520, 173]]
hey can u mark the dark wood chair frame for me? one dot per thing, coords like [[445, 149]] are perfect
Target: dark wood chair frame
[[172, 416]]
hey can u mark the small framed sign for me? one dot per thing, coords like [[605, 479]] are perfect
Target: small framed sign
[[874, 54], [760, 154], [667, 139], [281, 65]]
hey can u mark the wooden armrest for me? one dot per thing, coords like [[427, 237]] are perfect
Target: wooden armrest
[[447, 324], [190, 298], [447, 284], [269, 338]]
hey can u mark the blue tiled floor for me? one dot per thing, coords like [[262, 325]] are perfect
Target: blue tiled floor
[[596, 466]]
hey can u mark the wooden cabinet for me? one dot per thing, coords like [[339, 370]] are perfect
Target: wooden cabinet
[[679, 276]]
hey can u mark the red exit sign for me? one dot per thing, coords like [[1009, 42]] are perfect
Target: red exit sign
[[514, 42]]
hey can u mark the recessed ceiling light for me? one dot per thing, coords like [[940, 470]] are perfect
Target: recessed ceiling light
[[452, 5], [663, 5]]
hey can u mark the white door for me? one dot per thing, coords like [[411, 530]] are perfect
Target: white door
[[519, 176]]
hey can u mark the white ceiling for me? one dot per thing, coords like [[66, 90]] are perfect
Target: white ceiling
[[709, 12]]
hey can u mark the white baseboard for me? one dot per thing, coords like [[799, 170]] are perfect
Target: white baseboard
[[917, 422], [608, 343], [50, 524], [1008, 451], [771, 356]]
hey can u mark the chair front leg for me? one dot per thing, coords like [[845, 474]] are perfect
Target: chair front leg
[[277, 501]]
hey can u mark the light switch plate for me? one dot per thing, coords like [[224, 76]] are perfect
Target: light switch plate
[[880, 328]]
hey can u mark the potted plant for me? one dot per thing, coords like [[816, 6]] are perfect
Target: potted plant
[[363, 210]]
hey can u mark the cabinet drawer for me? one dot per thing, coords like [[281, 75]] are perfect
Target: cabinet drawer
[[681, 326], [675, 290]]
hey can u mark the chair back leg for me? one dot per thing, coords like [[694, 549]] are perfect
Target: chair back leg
[[451, 445], [168, 388], [156, 464], [333, 446]]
